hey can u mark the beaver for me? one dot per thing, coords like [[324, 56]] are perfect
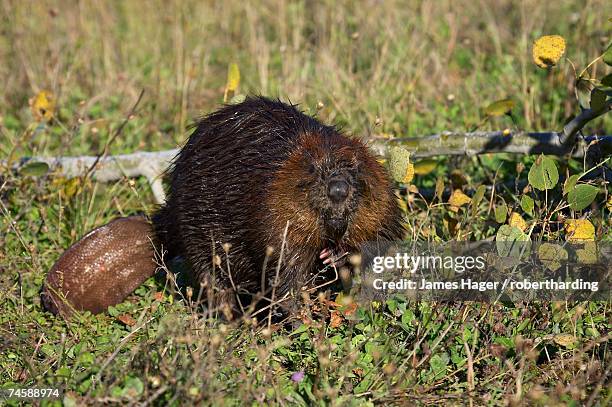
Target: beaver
[[262, 196]]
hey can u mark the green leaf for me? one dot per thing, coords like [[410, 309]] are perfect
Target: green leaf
[[527, 204], [501, 212], [438, 363], [134, 385], [507, 233], [408, 317], [11, 122], [607, 80], [478, 195], [570, 183], [581, 196], [500, 107], [34, 169], [63, 372], [399, 161], [87, 359], [116, 391], [113, 311], [598, 99], [524, 323], [543, 174], [505, 341], [506, 238], [583, 90], [392, 304], [237, 99]]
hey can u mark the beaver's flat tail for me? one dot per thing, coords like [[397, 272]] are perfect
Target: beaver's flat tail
[[102, 268]]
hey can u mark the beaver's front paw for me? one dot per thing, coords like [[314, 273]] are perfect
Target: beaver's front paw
[[330, 258]]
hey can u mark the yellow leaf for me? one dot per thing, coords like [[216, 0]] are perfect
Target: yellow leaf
[[424, 167], [517, 220], [565, 340], [500, 108], [43, 106], [233, 80], [439, 187], [409, 173], [233, 77], [547, 50], [72, 187], [551, 255], [579, 230], [458, 199], [69, 187]]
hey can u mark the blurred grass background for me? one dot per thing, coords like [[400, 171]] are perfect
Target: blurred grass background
[[403, 68], [420, 67]]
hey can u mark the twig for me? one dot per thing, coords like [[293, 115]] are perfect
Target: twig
[[278, 266], [115, 134], [571, 129]]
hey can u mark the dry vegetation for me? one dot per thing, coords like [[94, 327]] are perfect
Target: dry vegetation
[[374, 67]]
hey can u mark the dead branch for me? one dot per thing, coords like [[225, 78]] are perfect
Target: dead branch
[[573, 128], [117, 132], [470, 144], [111, 168], [152, 164]]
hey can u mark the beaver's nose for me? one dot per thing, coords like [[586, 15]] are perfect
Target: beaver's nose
[[338, 190]]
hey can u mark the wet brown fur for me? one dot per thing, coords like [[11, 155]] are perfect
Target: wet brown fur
[[252, 170], [248, 173], [377, 215]]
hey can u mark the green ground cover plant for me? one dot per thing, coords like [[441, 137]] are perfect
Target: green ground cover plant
[[381, 70]]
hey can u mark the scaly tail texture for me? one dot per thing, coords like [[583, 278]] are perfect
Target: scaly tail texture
[[102, 268]]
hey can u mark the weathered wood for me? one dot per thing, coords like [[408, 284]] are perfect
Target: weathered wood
[[153, 164]]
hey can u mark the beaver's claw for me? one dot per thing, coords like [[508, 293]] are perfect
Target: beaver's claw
[[331, 259]]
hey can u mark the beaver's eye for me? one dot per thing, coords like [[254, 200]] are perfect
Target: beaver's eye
[[311, 169]]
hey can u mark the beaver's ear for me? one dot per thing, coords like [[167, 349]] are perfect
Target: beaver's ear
[[308, 162]]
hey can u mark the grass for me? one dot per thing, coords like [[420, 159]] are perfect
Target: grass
[[399, 68]]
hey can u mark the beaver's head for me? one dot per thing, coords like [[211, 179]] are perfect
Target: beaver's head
[[333, 192], [332, 188]]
